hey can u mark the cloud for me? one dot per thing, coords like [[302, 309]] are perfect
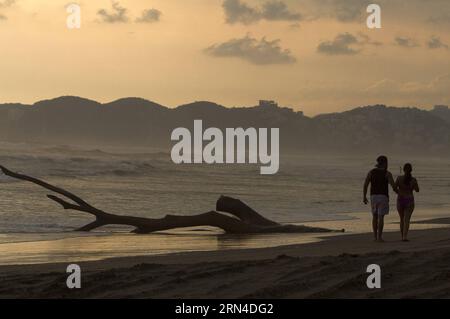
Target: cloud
[[237, 11], [434, 91], [386, 85], [278, 11], [118, 14], [365, 39], [346, 44], [343, 10], [436, 43], [343, 44], [149, 16], [7, 3], [406, 42], [439, 85], [260, 52], [348, 10], [439, 19], [386, 91]]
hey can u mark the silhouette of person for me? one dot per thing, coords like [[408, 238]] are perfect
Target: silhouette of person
[[379, 179], [406, 186]]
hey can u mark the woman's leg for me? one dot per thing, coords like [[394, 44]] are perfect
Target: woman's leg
[[401, 213], [408, 213]]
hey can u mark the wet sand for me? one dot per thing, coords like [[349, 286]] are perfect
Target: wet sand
[[334, 267], [70, 247]]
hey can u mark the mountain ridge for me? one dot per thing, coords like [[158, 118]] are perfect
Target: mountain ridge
[[135, 121]]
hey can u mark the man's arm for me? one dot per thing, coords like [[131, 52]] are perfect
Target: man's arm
[[416, 185], [366, 186], [391, 182]]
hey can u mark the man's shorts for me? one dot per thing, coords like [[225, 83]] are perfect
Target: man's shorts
[[380, 204]]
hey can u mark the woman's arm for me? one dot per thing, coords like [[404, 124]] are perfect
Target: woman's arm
[[391, 181]]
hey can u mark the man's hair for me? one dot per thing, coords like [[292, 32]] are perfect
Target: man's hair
[[382, 161]]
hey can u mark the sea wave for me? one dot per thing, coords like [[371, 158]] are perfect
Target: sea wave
[[72, 167]]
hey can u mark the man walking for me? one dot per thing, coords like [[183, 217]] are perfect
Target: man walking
[[379, 178]]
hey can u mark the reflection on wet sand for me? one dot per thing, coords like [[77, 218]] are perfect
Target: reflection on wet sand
[[72, 247]]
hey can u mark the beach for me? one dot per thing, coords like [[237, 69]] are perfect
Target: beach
[[228, 149], [37, 241], [332, 267]]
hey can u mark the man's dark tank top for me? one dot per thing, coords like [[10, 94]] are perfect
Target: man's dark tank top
[[379, 182]]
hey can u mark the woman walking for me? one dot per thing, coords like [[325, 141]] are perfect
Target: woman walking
[[406, 186]]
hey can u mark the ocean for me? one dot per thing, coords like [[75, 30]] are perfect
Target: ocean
[[307, 188]]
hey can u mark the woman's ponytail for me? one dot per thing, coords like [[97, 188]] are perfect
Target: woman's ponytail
[[408, 177]]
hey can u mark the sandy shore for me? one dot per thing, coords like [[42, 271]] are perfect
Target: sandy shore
[[332, 268]]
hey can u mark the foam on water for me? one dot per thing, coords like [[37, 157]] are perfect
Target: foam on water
[[307, 188]]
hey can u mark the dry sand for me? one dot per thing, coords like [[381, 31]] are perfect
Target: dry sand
[[332, 268]]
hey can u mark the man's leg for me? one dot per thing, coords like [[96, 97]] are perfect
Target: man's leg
[[375, 225], [380, 227]]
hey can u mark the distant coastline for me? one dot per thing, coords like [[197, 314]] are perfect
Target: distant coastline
[[135, 122]]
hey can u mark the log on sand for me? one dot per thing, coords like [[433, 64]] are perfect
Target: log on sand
[[237, 217]]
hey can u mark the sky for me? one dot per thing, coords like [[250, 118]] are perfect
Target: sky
[[317, 56]]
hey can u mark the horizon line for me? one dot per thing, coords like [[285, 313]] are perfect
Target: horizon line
[[211, 102]]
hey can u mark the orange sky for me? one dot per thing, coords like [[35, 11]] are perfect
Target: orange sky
[[167, 59]]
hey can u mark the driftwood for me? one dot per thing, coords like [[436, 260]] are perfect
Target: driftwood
[[241, 219]]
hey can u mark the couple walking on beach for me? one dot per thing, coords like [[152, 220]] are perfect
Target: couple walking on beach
[[379, 179]]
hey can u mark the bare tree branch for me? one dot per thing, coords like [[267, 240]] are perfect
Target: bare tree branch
[[244, 219]]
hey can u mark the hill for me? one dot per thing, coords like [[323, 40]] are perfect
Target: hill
[[138, 122]]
